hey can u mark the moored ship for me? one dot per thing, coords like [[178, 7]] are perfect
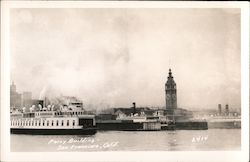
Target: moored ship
[[131, 123], [46, 121], [225, 122]]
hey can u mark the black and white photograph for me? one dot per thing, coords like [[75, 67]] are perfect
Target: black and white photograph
[[124, 79]]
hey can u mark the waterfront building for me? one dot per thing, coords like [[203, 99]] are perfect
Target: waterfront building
[[171, 96], [172, 111]]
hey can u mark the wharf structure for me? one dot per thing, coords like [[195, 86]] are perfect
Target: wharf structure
[[144, 118], [130, 119]]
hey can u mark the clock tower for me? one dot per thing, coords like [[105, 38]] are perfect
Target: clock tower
[[171, 96]]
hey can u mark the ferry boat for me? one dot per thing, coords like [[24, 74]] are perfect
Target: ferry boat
[[130, 123], [50, 122]]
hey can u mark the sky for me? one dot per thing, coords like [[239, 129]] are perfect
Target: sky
[[113, 57]]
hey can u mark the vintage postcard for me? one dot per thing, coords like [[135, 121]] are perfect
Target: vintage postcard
[[124, 81]]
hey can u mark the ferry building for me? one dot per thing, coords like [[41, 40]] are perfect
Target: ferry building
[[172, 111]]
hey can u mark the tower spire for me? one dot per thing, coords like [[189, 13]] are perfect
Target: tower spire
[[170, 73]]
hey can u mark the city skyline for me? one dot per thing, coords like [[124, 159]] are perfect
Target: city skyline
[[222, 109], [118, 56]]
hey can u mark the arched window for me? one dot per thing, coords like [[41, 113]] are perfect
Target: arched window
[[57, 123], [67, 122], [73, 123]]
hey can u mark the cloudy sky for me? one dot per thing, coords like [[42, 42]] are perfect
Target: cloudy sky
[[113, 57]]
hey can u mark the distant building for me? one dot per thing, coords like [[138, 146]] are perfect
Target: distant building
[[13, 88], [15, 97], [27, 99]]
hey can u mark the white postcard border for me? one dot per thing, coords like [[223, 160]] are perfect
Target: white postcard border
[[6, 155]]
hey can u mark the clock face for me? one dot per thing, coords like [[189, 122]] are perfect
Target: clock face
[[168, 96]]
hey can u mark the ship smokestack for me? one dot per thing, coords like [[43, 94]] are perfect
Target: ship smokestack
[[219, 109], [134, 107], [227, 109]]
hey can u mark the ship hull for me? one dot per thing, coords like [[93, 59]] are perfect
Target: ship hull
[[191, 125], [87, 131], [225, 125], [131, 126], [119, 126], [128, 126]]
